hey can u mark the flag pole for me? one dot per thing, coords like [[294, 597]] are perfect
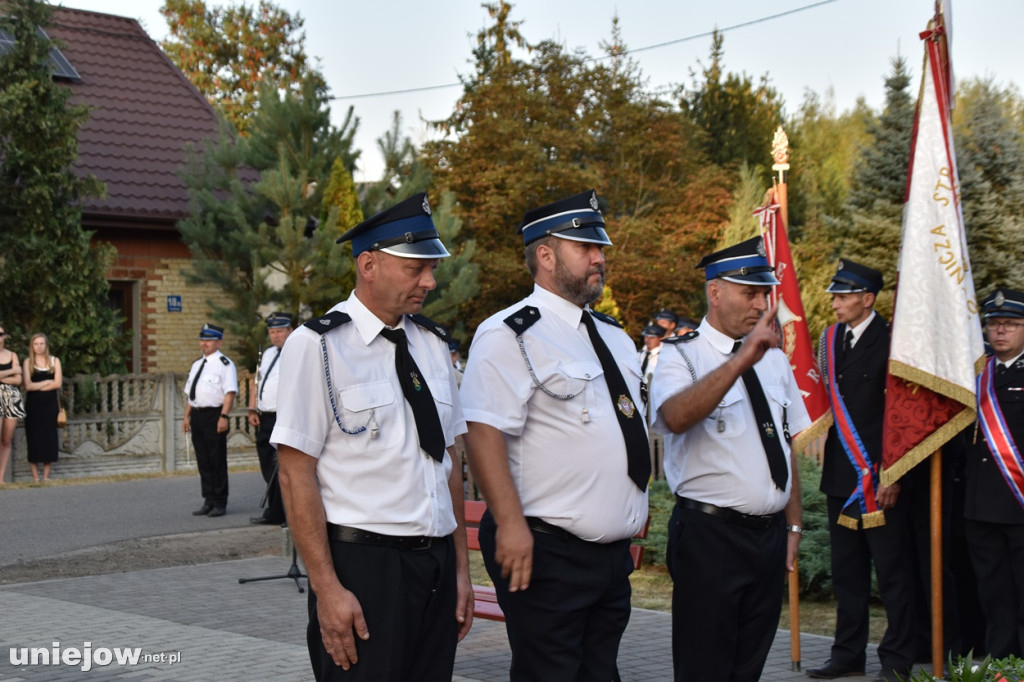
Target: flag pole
[[936, 563], [780, 154]]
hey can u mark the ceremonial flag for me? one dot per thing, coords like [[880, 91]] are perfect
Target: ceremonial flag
[[936, 350], [796, 337]]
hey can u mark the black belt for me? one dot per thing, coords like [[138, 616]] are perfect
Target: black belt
[[365, 537], [207, 409], [730, 515], [542, 526], [269, 414]]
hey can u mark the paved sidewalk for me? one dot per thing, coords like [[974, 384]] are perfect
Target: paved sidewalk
[[198, 623]]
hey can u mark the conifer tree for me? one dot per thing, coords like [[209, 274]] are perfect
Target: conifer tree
[[51, 275], [871, 235], [990, 158]]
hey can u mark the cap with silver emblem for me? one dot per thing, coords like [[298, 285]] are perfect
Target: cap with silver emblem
[[576, 218], [404, 230], [743, 263]]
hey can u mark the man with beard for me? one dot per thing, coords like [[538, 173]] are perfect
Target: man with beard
[[558, 445], [725, 397]]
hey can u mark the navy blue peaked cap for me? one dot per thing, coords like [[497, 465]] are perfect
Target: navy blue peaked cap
[[853, 278], [404, 230], [576, 218]]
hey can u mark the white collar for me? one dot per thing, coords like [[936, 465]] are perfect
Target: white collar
[[720, 341], [563, 308], [367, 324], [858, 331]]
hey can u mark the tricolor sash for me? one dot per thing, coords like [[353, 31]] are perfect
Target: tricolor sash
[[997, 434], [864, 493]]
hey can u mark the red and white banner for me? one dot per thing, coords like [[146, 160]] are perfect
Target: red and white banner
[[936, 349], [796, 337]]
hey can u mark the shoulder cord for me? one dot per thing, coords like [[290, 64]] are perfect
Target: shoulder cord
[[689, 365], [330, 392], [537, 382], [693, 374]]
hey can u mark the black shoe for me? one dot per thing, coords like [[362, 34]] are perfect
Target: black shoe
[[831, 670], [893, 675], [204, 510], [218, 511], [263, 521]]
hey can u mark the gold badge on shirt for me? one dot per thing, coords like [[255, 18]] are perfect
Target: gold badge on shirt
[[626, 406]]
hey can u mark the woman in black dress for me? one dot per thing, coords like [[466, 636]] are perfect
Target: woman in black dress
[[42, 376], [10, 401]]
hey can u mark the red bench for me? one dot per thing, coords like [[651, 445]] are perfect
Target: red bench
[[486, 600]]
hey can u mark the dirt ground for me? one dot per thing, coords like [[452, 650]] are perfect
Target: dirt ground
[[146, 553]]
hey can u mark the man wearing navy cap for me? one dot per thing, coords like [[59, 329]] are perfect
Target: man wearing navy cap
[[725, 397], [652, 334], [263, 415], [367, 414], [868, 522], [557, 443], [667, 321], [994, 506], [210, 393]]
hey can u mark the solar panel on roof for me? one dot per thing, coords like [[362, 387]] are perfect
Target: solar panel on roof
[[58, 62]]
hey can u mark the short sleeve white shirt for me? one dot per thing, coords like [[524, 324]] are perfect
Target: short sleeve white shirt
[[721, 460], [373, 474], [567, 457], [218, 378], [270, 374]]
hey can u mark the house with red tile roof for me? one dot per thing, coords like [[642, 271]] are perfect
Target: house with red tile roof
[[143, 113]]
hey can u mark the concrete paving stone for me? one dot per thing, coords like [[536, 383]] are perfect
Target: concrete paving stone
[[256, 632]]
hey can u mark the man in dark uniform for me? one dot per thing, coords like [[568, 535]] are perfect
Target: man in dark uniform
[[210, 391], [725, 397], [867, 522], [558, 444], [994, 507], [368, 412], [263, 415]]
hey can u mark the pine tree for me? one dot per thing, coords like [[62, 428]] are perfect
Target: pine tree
[[875, 208], [457, 276], [51, 275], [990, 158]]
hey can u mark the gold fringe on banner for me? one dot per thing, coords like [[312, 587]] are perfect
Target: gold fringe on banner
[[873, 519], [848, 522]]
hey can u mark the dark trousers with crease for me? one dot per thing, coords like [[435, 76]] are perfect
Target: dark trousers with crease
[[568, 623], [268, 467], [997, 552], [727, 584], [408, 599], [853, 552], [211, 454]]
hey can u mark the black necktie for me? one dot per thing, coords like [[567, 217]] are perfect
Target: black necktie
[[1000, 368], [638, 451], [269, 370], [765, 426], [848, 341], [417, 394], [192, 390], [643, 366]]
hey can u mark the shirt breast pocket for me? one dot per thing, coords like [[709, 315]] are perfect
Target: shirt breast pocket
[[573, 376], [778, 402], [441, 390], [373, 407], [727, 420]]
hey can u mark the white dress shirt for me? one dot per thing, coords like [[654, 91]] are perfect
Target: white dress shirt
[[269, 376], [721, 460], [384, 484], [567, 457], [219, 378]]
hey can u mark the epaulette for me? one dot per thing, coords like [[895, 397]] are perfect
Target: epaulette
[[522, 319], [688, 336], [432, 326], [607, 319], [325, 323], [224, 361]]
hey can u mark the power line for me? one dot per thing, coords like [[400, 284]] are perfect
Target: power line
[[627, 52]]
